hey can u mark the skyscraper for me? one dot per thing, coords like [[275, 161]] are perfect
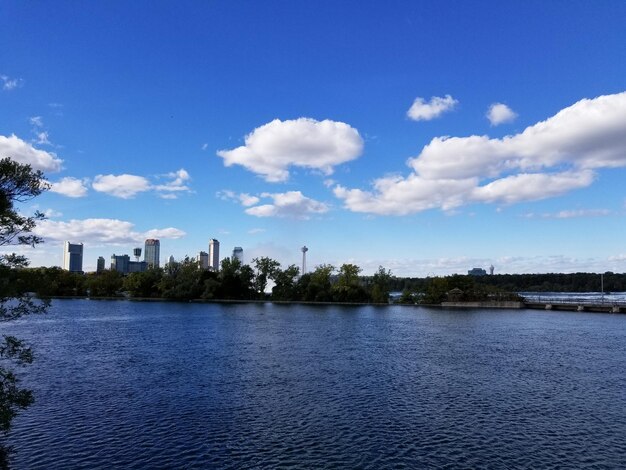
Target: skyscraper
[[238, 254], [120, 263], [73, 257], [152, 253], [100, 266], [214, 254], [203, 260]]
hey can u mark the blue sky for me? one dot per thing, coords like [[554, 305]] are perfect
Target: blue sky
[[427, 137]]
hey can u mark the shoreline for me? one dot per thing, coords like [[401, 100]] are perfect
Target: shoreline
[[474, 305]]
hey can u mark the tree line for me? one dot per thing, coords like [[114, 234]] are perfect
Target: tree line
[[184, 280], [549, 282]]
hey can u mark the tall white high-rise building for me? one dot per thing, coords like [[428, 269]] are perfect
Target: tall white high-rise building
[[152, 253], [214, 254], [73, 257], [238, 254]]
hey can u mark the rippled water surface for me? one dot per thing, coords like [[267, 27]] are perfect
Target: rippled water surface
[[162, 385]]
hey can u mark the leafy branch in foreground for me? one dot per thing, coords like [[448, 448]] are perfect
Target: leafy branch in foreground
[[18, 183]]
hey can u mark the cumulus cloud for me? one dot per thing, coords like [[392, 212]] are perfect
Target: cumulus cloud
[[169, 232], [500, 113], [128, 186], [177, 184], [247, 200], [292, 204], [547, 159], [23, 152], [9, 83], [71, 187], [244, 199], [100, 231], [270, 150], [421, 110], [123, 186]]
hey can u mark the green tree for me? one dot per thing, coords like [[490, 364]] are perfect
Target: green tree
[[348, 287], [380, 286], [182, 281], [236, 280], [316, 285], [108, 283], [18, 183], [266, 269], [285, 283], [145, 284], [436, 290]]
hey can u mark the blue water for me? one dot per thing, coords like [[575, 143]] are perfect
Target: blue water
[[164, 385]]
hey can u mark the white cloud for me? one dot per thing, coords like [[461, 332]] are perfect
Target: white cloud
[[169, 232], [52, 214], [100, 231], [177, 184], [500, 113], [547, 159], [420, 110], [205, 146], [530, 187], [247, 200], [254, 231], [292, 204], [431, 267], [36, 121], [71, 187], [122, 186], [9, 84], [570, 214], [42, 138], [127, 186], [271, 149], [244, 199], [23, 152]]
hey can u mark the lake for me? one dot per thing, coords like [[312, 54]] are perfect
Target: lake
[[122, 384]]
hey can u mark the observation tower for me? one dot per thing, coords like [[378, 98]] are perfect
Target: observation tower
[[304, 250]]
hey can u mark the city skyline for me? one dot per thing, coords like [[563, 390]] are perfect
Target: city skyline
[[426, 137]]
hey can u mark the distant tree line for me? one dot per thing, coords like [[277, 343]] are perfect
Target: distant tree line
[[184, 280], [551, 282]]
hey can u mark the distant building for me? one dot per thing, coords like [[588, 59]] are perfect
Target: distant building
[[171, 261], [477, 272], [73, 257], [123, 264], [238, 254], [152, 253], [214, 254], [491, 268], [137, 266], [119, 263], [100, 265], [203, 260]]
